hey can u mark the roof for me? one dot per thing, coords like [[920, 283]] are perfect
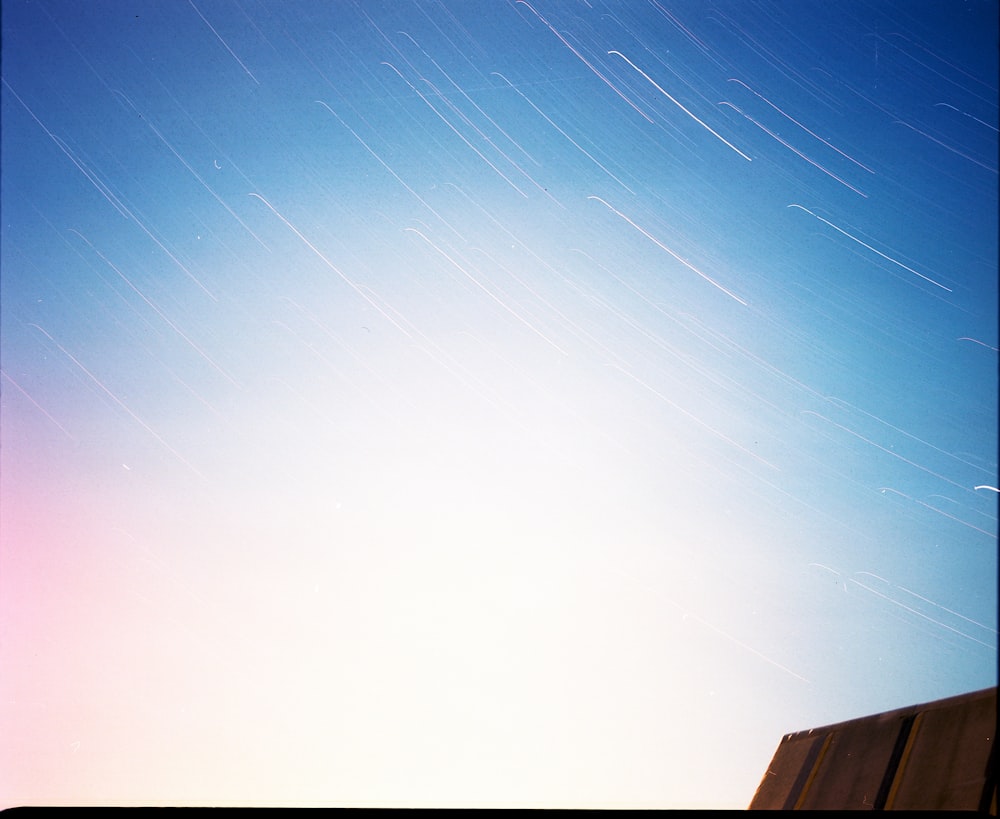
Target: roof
[[934, 756]]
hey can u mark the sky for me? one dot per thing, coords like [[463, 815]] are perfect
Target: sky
[[495, 404]]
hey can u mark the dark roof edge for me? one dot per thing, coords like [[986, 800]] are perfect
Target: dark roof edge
[[933, 705]]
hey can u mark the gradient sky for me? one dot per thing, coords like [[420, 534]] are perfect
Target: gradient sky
[[482, 403]]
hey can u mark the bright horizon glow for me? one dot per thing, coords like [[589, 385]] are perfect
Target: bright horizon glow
[[488, 404]]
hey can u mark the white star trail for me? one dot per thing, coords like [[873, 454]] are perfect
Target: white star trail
[[446, 395]]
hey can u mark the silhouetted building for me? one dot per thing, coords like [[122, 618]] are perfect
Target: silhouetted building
[[937, 756]]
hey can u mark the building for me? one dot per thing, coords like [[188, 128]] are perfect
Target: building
[[937, 756]]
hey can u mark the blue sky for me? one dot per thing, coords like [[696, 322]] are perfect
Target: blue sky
[[488, 403]]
